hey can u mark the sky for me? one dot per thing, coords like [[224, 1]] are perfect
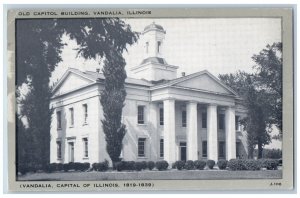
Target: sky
[[219, 45]]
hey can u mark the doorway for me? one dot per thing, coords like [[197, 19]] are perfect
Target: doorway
[[182, 148], [71, 151]]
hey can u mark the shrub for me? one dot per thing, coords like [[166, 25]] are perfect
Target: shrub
[[86, 166], [189, 165], [77, 166], [138, 166], [144, 165], [200, 164], [179, 165], [66, 167], [210, 164], [102, 166], [222, 164], [151, 165], [269, 164], [130, 165], [59, 167], [119, 166], [162, 165], [252, 165], [236, 164]]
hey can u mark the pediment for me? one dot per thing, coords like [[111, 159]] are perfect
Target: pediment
[[70, 82], [205, 82]]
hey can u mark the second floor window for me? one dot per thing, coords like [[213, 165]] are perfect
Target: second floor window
[[85, 113], [161, 148], [158, 46], [85, 147], [140, 116], [58, 118], [237, 123], [161, 116], [204, 120], [71, 117], [183, 119], [58, 149]]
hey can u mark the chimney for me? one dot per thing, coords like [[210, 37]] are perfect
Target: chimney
[[182, 74], [98, 70]]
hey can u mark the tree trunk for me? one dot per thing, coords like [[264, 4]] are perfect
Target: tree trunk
[[260, 149]]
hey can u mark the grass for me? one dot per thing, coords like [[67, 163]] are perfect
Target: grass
[[152, 175]]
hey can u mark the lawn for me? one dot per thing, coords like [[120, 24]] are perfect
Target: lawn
[[152, 175]]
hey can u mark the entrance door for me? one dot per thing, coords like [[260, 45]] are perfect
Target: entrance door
[[71, 151], [182, 146]]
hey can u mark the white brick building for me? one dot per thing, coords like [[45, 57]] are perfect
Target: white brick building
[[187, 118]]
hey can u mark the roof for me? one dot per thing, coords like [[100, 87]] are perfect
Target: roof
[[154, 60], [154, 26]]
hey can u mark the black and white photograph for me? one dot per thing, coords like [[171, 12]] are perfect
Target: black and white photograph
[[137, 99]]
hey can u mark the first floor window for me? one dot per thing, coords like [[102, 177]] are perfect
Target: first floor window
[[221, 149], [141, 115], [58, 149], [85, 147], [183, 116], [161, 116], [238, 155], [221, 121], [204, 149], [58, 119], [204, 120], [161, 148], [141, 147]]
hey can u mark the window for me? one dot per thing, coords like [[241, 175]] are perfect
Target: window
[[204, 120], [183, 118], [141, 147], [161, 116], [85, 113], [221, 121], [85, 147], [58, 149], [161, 148], [147, 47], [58, 117], [71, 117], [238, 155], [158, 46], [221, 149], [141, 115], [204, 149], [237, 122]]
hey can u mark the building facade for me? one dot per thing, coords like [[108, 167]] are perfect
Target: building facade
[[167, 117]]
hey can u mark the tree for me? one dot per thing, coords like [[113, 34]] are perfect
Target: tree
[[256, 101], [38, 51], [269, 77]]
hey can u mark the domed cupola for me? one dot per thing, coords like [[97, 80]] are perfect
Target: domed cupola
[[154, 67]]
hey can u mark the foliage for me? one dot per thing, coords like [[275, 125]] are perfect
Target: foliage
[[150, 165], [189, 165], [262, 95], [269, 164], [236, 164], [210, 164], [101, 166], [199, 164], [272, 153], [138, 166], [251, 164], [222, 164], [39, 45], [144, 165], [162, 165], [179, 165]]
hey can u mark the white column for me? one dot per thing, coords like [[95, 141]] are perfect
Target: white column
[[230, 133], [192, 139], [212, 133], [155, 136], [169, 131]]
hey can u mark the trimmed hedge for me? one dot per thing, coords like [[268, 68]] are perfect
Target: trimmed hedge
[[199, 164], [161, 165], [252, 164], [269, 164], [210, 164], [150, 165], [179, 165], [189, 165], [222, 164], [138, 166], [237, 164], [101, 166]]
